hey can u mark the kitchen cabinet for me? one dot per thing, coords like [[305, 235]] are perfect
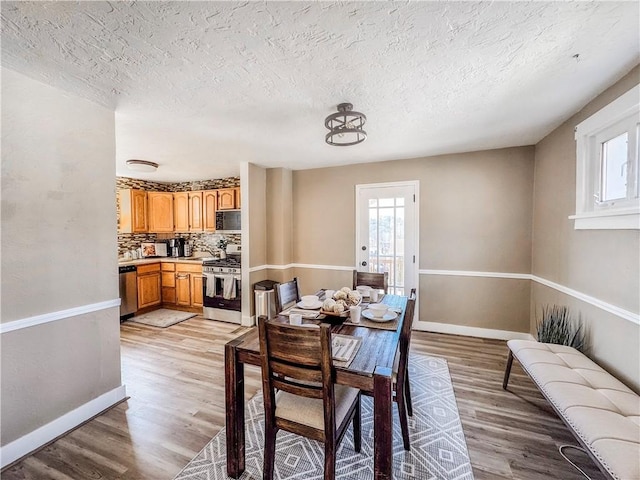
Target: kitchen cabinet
[[160, 212], [133, 211], [183, 289], [209, 207], [238, 202], [181, 212], [196, 214], [168, 273], [189, 285], [196, 290], [149, 285], [226, 199]]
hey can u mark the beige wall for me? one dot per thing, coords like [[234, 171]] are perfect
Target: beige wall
[[601, 263], [279, 216], [475, 214], [255, 206], [58, 252]]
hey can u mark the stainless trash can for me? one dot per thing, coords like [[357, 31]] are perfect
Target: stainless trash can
[[265, 298]]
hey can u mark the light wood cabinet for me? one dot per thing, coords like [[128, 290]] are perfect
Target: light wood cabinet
[[181, 212], [209, 207], [133, 211], [168, 272], [188, 285], [160, 212], [196, 213], [238, 199], [149, 285], [196, 290], [183, 289], [226, 199]]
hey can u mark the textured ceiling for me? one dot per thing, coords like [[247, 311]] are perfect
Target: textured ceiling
[[201, 86]]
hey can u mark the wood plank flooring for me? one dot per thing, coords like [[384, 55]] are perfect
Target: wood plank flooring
[[175, 378]]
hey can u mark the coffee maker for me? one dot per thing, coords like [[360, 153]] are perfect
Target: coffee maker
[[176, 247]]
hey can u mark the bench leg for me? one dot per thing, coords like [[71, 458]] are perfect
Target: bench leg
[[507, 371]]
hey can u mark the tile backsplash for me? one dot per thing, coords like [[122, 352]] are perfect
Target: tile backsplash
[[200, 241]]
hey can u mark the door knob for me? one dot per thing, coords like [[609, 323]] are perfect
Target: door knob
[[364, 264]]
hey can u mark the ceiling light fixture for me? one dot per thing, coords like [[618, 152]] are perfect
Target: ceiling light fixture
[[142, 165], [345, 127]]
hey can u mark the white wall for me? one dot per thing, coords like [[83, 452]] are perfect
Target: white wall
[[58, 253]]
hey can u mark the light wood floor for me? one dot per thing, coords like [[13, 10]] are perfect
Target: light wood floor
[[175, 378]]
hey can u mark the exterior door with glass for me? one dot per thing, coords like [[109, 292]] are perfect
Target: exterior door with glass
[[387, 234]]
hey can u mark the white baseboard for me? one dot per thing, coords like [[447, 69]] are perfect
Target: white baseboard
[[61, 425], [471, 331]]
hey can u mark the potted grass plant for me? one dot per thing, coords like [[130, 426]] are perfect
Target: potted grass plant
[[557, 326]]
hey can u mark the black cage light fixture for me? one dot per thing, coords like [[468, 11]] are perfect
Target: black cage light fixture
[[345, 127]]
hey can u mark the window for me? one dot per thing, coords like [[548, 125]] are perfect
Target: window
[[608, 177]]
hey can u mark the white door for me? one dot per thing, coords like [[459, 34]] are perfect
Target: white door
[[387, 233]]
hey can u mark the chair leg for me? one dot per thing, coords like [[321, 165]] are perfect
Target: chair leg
[[357, 427], [270, 433], [507, 371], [329, 461], [407, 393], [404, 422]]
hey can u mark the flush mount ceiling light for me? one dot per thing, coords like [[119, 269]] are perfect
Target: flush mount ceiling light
[[345, 127], [142, 165]]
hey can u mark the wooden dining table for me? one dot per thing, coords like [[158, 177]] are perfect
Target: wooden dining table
[[370, 371]]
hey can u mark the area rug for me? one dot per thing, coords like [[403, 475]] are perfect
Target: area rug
[[438, 448], [162, 318]]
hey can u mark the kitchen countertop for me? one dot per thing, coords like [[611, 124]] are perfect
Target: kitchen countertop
[[144, 261]]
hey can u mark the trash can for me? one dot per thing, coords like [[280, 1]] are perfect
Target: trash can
[[265, 298]]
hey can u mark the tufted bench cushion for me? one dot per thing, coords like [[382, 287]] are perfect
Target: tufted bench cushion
[[602, 412]]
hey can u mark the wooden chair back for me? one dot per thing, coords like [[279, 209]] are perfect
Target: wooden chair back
[[379, 281], [287, 294], [298, 360], [405, 336]]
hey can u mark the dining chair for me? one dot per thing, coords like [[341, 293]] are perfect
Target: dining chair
[[379, 281], [400, 373], [300, 395], [287, 294], [400, 379]]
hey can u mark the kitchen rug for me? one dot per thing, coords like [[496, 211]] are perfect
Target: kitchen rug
[[162, 317], [438, 447]]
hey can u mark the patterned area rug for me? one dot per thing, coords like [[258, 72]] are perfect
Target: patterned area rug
[[162, 317], [438, 448]]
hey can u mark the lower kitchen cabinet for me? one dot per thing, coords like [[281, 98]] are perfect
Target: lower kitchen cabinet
[[182, 285], [168, 283], [196, 290], [183, 289], [149, 285]]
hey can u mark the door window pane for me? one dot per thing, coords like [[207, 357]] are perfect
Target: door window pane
[[386, 240], [613, 176]]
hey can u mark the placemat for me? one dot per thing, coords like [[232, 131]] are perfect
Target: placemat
[[352, 349], [392, 325]]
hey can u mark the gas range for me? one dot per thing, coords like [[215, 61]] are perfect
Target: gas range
[[227, 265]]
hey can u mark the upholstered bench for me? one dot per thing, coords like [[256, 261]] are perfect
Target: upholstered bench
[[602, 412]]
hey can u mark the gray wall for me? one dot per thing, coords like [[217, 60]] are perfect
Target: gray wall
[[600, 263], [58, 252]]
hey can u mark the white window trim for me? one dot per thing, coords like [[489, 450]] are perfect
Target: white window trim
[[587, 216]]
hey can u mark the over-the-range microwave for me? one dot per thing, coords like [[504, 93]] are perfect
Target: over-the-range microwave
[[228, 221]]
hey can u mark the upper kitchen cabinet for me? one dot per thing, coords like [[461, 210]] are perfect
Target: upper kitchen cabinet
[[226, 199], [238, 202], [133, 211], [196, 214], [160, 212], [181, 212], [209, 205]]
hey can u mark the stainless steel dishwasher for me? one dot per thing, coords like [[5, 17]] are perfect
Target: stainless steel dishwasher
[[128, 291]]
